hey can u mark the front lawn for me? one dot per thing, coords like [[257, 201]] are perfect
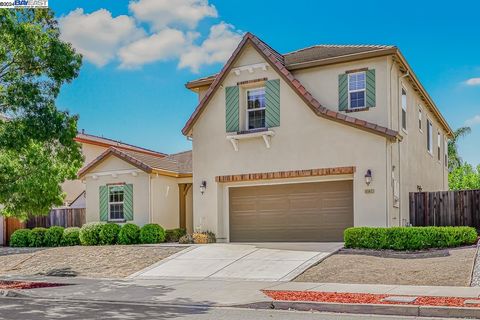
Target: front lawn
[[86, 261], [446, 267]]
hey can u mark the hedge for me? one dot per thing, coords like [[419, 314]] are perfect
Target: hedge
[[90, 233], [53, 236], [174, 235], [152, 233], [20, 238], [37, 237], [129, 234], [109, 234], [71, 237], [408, 238]]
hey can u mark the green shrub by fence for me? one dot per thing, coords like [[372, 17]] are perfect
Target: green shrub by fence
[[408, 238], [71, 236], [20, 238], [53, 236], [90, 233], [37, 237]]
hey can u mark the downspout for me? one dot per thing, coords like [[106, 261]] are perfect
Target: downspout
[[150, 197], [399, 152]]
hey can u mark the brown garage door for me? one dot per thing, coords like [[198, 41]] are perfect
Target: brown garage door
[[317, 211]]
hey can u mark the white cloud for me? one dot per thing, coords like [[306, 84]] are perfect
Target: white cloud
[[217, 48], [161, 46], [473, 82], [98, 36], [163, 13], [473, 121]]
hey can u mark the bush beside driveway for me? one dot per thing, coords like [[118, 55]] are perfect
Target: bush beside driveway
[[86, 261]]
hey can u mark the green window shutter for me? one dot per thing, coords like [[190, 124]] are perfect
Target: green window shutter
[[128, 202], [272, 103], [103, 200], [343, 92], [370, 75], [231, 109]]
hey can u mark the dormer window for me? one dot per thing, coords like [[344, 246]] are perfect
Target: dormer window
[[356, 90], [255, 108]]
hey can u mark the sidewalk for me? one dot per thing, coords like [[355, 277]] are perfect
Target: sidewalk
[[249, 294]]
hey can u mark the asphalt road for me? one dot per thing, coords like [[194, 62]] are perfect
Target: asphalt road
[[37, 309]]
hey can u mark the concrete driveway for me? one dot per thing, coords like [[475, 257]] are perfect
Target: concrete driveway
[[249, 262]]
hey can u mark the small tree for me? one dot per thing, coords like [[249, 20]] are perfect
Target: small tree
[[454, 159], [37, 150], [464, 177]]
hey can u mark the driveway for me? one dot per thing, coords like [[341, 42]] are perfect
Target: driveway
[[249, 262]]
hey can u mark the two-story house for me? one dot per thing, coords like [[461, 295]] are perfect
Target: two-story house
[[300, 146]]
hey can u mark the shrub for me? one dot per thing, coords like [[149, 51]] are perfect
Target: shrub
[[90, 233], [186, 239], [174, 235], [152, 233], [129, 234], [210, 236], [20, 238], [53, 236], [109, 233], [200, 238], [37, 237], [409, 238], [71, 237]]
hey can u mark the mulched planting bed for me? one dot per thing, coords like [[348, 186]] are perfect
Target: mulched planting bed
[[364, 298], [20, 285]]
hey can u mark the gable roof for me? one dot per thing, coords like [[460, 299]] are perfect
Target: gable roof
[[276, 61], [82, 137], [175, 165]]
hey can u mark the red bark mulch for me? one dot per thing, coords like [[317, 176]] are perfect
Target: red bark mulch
[[364, 298], [18, 285]]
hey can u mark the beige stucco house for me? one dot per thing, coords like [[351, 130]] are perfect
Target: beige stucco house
[[300, 146]]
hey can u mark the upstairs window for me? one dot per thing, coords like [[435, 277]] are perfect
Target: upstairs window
[[255, 108], [356, 90], [439, 148], [115, 202], [420, 119], [445, 152], [404, 109], [429, 136]]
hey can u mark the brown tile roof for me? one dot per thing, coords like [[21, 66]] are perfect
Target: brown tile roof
[[179, 164], [326, 51], [277, 63], [105, 142]]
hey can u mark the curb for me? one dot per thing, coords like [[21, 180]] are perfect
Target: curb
[[12, 294], [377, 309]]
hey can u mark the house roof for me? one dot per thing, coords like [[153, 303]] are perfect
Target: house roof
[[176, 165], [276, 61], [105, 142], [328, 54]]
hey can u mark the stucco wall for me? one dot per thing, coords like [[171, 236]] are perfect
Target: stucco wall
[[414, 165], [303, 141], [165, 201], [104, 173]]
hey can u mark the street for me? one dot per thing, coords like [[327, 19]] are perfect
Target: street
[[36, 309]]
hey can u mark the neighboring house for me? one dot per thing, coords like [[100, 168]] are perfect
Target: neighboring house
[[92, 147], [126, 185], [300, 146]]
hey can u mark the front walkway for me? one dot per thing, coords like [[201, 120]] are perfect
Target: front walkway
[[247, 262]]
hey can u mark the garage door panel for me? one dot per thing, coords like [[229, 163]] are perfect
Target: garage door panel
[[291, 212]]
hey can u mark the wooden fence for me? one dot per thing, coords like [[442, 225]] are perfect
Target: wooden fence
[[64, 217], [448, 208]]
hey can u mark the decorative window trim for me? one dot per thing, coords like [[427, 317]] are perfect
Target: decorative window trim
[[266, 135], [357, 110], [420, 118], [404, 109], [445, 152], [242, 83], [364, 90], [250, 68], [439, 146]]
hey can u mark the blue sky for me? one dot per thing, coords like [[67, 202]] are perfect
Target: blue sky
[[140, 53]]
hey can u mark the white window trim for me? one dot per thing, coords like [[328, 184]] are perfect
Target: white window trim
[[439, 146], [358, 90], [430, 136], [420, 118], [445, 153], [406, 108], [109, 203], [256, 109]]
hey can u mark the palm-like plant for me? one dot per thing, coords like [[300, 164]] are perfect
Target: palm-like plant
[[454, 160]]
